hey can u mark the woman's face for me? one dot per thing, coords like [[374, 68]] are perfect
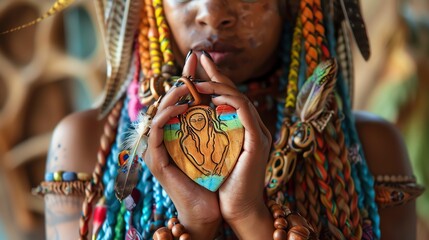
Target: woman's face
[[240, 35]]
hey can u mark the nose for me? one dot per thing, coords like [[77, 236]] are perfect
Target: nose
[[217, 14]]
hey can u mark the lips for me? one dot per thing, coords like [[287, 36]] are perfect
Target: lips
[[220, 51]]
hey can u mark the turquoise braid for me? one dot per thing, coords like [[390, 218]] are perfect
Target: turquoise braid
[[107, 230], [146, 189], [360, 171]]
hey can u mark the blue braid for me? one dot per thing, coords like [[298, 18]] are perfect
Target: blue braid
[[109, 176], [146, 188]]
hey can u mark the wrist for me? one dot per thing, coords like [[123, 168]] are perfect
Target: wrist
[[201, 229], [257, 223]]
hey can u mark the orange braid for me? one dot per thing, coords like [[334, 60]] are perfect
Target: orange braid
[[320, 31], [143, 40], [106, 141], [308, 30]]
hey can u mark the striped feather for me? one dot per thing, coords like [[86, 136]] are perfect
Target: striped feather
[[122, 24], [345, 58], [353, 17]]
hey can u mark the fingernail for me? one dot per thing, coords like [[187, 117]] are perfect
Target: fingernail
[[188, 55], [182, 102], [196, 81], [208, 55], [214, 95]]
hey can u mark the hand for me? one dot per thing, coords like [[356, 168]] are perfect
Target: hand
[[198, 208], [241, 195]]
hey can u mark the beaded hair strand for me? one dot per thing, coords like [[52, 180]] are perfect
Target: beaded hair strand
[[322, 188]]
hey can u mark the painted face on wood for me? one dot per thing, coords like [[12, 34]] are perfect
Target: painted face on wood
[[241, 35]]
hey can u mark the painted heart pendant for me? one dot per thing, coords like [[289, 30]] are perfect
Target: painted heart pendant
[[205, 143]]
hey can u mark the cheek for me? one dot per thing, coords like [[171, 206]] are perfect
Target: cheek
[[256, 23]]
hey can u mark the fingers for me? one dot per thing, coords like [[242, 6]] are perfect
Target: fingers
[[212, 71], [190, 64], [161, 118]]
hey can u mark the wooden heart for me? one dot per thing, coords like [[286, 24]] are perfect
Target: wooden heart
[[205, 143]]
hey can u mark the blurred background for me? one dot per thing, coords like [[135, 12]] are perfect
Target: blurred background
[[57, 67]]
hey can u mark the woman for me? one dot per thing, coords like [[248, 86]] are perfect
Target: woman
[[253, 56]]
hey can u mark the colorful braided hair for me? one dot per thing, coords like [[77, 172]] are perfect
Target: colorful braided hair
[[330, 188]]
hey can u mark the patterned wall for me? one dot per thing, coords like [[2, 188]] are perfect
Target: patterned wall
[[46, 72]]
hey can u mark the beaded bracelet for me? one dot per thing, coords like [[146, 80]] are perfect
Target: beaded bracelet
[[64, 183], [289, 225], [395, 190], [173, 230]]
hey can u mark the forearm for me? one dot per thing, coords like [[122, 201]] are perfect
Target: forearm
[[62, 214]]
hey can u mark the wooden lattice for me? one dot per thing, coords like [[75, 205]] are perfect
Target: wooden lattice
[[40, 83]]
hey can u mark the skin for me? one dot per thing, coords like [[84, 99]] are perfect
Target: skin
[[239, 201], [230, 31]]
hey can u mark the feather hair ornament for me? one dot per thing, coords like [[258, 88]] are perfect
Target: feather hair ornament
[[135, 145], [122, 19], [312, 98], [345, 57], [58, 6], [353, 17]]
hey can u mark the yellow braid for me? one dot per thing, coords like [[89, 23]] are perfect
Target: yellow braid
[[292, 87], [164, 33], [153, 35]]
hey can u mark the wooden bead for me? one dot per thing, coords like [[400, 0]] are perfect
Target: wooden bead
[[298, 232], [185, 236], [279, 234], [280, 223], [173, 221], [162, 234], [279, 213], [178, 230]]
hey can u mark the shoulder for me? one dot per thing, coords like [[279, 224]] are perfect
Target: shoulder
[[383, 145], [386, 154], [75, 142]]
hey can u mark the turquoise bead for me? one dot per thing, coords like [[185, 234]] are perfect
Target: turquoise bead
[[49, 177], [69, 176]]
